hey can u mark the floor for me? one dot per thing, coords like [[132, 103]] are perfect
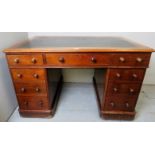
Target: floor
[[78, 103]]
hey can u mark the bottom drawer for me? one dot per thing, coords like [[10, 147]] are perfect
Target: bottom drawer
[[120, 103], [33, 103]]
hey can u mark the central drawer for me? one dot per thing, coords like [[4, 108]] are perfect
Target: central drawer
[[78, 59], [98, 59]]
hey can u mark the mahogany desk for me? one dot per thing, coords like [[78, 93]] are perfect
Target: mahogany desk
[[119, 64]]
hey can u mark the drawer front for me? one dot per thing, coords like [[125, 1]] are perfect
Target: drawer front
[[137, 60], [28, 75], [126, 75], [33, 103], [78, 59], [120, 103], [20, 60], [31, 88], [115, 89]]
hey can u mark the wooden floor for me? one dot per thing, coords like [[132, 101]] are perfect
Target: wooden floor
[[81, 106]]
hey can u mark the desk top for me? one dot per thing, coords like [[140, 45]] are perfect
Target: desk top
[[78, 44]]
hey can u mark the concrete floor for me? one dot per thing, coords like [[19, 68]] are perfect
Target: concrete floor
[[78, 103]]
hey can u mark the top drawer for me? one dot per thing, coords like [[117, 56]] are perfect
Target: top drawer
[[17, 60], [133, 59], [85, 59]]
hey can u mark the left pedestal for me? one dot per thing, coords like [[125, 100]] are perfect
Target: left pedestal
[[32, 92], [36, 88]]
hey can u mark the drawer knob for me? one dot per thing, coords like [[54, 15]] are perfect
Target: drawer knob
[[112, 104], [40, 103], [37, 90], [122, 59], [134, 76], [93, 60], [36, 76], [19, 75], [118, 75], [23, 90], [115, 90], [127, 105], [34, 60], [139, 59], [61, 59], [131, 90], [16, 60], [26, 103]]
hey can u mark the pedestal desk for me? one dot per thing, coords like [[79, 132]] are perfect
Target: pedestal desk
[[120, 65]]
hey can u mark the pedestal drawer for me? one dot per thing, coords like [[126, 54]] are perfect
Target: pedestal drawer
[[33, 103], [31, 88], [28, 75], [136, 75], [120, 103], [130, 89]]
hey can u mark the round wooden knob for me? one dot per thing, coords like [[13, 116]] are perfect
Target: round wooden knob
[[37, 90], [34, 60], [118, 75], [61, 59], [127, 105], [112, 104], [40, 103], [16, 60], [19, 75], [122, 59], [131, 90], [115, 89], [139, 59], [134, 76], [26, 103], [93, 60], [36, 76], [23, 90]]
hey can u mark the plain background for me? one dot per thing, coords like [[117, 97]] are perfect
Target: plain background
[[8, 102], [77, 16]]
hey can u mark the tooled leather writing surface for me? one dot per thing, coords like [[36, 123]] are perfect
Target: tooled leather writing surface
[[78, 44]]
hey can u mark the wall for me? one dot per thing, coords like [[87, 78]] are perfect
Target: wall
[[72, 75], [8, 101]]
